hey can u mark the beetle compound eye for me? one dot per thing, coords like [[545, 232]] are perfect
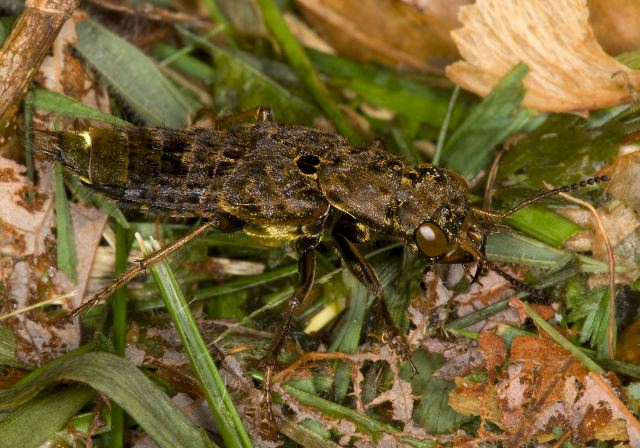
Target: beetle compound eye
[[431, 240], [308, 164]]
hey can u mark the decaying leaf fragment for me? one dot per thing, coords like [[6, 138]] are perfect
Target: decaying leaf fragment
[[542, 388], [27, 263], [569, 70], [392, 32]]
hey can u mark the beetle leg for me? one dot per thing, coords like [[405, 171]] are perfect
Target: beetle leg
[[362, 270], [144, 264], [306, 275]]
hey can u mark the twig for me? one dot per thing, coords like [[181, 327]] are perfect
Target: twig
[[612, 267], [27, 45], [563, 438]]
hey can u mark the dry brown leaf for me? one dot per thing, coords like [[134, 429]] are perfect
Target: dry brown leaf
[[493, 350], [619, 15], [27, 266], [568, 70], [400, 398], [624, 173], [628, 349], [24, 226], [544, 387], [27, 262], [388, 31], [490, 289], [88, 227]]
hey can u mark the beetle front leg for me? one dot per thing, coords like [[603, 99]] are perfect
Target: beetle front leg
[[362, 270], [306, 276]]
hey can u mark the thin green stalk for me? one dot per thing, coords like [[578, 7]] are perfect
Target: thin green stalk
[[229, 423], [222, 21], [66, 249], [304, 68], [445, 126], [561, 340], [478, 316], [376, 428], [119, 307]]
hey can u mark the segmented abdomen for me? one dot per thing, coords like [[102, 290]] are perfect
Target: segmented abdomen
[[164, 171]]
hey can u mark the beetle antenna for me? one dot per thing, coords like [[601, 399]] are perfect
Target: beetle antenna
[[491, 215], [538, 295], [478, 255]]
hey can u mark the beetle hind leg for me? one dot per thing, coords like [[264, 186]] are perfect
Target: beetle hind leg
[[306, 275], [362, 270]]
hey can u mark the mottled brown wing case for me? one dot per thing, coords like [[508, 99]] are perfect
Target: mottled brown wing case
[[161, 171]]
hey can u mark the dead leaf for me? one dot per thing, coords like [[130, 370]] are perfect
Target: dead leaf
[[88, 227], [490, 289], [493, 350], [624, 183], [391, 32], [27, 267], [25, 225], [598, 393], [568, 70], [544, 387], [400, 398], [628, 349], [619, 15]]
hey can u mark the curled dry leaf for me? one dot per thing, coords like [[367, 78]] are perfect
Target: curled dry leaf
[[27, 267], [544, 387], [624, 185], [391, 32], [490, 289], [400, 397], [569, 71], [619, 15], [493, 351], [620, 222]]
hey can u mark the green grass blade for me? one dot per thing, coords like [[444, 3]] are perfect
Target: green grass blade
[[229, 422], [560, 339], [242, 283], [348, 337], [121, 382], [189, 65], [470, 147], [304, 436], [543, 224], [119, 310], [69, 107], [243, 85], [222, 21], [66, 249], [134, 77], [8, 348], [384, 87], [303, 66], [445, 126], [516, 248], [432, 411], [363, 422], [51, 412]]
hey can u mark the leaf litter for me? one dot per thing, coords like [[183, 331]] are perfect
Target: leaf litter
[[29, 272], [496, 371]]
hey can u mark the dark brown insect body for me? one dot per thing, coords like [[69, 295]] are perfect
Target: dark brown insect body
[[282, 182], [285, 184]]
